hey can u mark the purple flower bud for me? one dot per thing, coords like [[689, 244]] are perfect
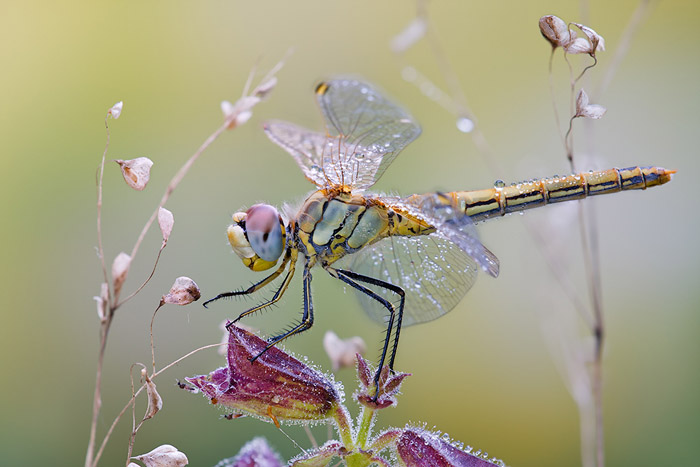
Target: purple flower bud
[[274, 386], [254, 453], [389, 385], [417, 448]]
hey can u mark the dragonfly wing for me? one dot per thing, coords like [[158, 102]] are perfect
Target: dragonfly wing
[[370, 130], [305, 146], [451, 222], [433, 271]]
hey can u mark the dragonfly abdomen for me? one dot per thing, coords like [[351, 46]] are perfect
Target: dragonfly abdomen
[[501, 200]]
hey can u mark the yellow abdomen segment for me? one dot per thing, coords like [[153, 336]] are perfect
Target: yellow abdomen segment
[[500, 200]]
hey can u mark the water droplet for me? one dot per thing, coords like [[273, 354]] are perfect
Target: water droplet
[[465, 125], [499, 184]]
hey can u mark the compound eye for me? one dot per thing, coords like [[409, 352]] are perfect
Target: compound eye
[[264, 228]]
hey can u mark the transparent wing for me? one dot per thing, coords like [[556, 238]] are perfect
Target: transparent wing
[[371, 130], [434, 273], [306, 147], [365, 132], [450, 221], [435, 270]]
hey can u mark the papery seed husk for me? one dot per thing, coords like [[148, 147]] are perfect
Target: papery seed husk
[[116, 110], [183, 292], [165, 222], [136, 172], [163, 456], [120, 269]]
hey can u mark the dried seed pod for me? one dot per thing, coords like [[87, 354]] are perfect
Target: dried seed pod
[[163, 456], [555, 30], [136, 172], [165, 222], [586, 110], [120, 268], [155, 402], [183, 292], [116, 110]]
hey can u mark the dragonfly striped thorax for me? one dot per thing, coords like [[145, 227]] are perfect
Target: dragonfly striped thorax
[[412, 259]]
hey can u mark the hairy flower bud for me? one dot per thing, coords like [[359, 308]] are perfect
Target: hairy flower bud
[[418, 448], [389, 385], [274, 386], [255, 453]]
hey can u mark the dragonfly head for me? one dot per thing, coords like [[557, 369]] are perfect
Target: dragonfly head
[[258, 236]]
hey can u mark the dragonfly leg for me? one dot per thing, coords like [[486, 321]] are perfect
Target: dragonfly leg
[[275, 298], [307, 319], [255, 287], [352, 279]]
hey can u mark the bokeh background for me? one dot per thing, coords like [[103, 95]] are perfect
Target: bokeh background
[[488, 372]]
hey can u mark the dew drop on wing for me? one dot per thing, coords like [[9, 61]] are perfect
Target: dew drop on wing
[[499, 184]]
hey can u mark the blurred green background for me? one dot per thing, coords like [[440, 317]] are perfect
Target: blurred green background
[[486, 373]]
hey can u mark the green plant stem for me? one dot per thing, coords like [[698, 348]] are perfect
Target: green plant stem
[[342, 421], [365, 426]]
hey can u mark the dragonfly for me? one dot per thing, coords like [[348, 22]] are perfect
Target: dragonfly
[[412, 259]]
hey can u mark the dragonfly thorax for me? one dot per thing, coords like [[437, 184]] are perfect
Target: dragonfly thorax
[[258, 236]]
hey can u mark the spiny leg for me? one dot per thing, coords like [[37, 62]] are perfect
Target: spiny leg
[[255, 287], [350, 278], [275, 298], [307, 318]]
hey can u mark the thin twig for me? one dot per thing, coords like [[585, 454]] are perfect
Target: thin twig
[[174, 182], [106, 319], [97, 397], [554, 100], [153, 349], [143, 284], [134, 428], [583, 72], [572, 98], [133, 398], [113, 303], [312, 438], [99, 209]]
